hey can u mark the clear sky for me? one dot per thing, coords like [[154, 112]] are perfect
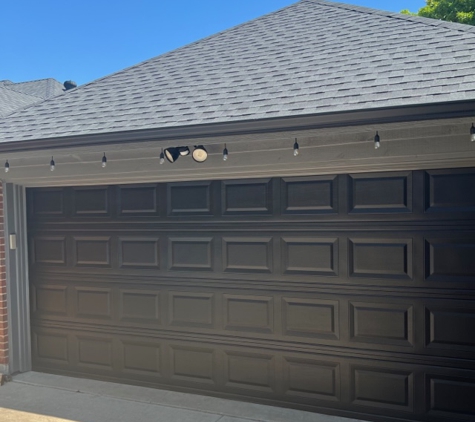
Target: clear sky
[[85, 40]]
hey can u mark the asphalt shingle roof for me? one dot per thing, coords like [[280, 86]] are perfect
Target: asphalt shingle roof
[[312, 57], [15, 96]]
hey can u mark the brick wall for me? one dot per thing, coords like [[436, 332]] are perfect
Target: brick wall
[[3, 292]]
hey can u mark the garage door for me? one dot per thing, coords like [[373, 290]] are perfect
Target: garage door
[[349, 294]]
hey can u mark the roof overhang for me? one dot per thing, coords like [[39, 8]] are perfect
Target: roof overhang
[[416, 137]]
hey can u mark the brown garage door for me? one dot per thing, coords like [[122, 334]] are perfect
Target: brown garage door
[[351, 294]]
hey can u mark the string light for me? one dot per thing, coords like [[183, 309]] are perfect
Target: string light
[[7, 166], [296, 148], [225, 153], [377, 141], [52, 164], [104, 161]]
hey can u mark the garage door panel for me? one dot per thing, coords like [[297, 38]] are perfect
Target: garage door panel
[[450, 259], [380, 193], [449, 326], [91, 201], [137, 200], [310, 195], [352, 293], [447, 192], [139, 252]]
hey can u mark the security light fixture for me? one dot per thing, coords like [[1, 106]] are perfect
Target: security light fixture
[[199, 154], [377, 141], [104, 161], [7, 166], [52, 164], [472, 133], [225, 153], [296, 148], [162, 157], [172, 154]]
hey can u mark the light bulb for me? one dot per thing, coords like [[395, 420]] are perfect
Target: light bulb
[[7, 167], [52, 165], [377, 142], [162, 157], [225, 153], [104, 161], [296, 148], [472, 133]]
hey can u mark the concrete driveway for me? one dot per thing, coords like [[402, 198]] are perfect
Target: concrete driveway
[[35, 397]]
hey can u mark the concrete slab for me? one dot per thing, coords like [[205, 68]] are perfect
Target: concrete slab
[[52, 398]]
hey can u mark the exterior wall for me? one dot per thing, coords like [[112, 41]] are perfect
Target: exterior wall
[[3, 294]]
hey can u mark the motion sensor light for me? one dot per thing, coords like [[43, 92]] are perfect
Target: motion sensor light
[[199, 154], [172, 154]]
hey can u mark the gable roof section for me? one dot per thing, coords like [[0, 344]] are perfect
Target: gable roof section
[[312, 57], [15, 96]]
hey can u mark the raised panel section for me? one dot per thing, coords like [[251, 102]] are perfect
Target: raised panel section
[[90, 201], [249, 313], [93, 302], [450, 327], [50, 250], [250, 371], [381, 323], [310, 318], [141, 358], [450, 260], [51, 347], [451, 397], [95, 353], [190, 253], [195, 364], [380, 258], [139, 306], [309, 378], [50, 299], [450, 190], [382, 388], [309, 195], [314, 256], [138, 200], [92, 251], [247, 197], [381, 193], [47, 202], [189, 198], [139, 252], [191, 309], [247, 254]]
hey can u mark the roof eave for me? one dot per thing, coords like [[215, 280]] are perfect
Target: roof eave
[[372, 116]]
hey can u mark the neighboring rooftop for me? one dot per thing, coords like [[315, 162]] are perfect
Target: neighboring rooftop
[[15, 96], [312, 57]]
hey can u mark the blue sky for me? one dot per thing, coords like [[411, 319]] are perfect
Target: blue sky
[[85, 40]]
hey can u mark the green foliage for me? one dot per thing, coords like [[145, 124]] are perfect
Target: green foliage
[[462, 11]]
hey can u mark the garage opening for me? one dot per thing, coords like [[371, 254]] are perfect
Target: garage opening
[[351, 294]]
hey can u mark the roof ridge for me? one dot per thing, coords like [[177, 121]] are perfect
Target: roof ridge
[[35, 80], [418, 19]]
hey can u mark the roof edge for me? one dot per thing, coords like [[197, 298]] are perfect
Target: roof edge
[[454, 109]]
